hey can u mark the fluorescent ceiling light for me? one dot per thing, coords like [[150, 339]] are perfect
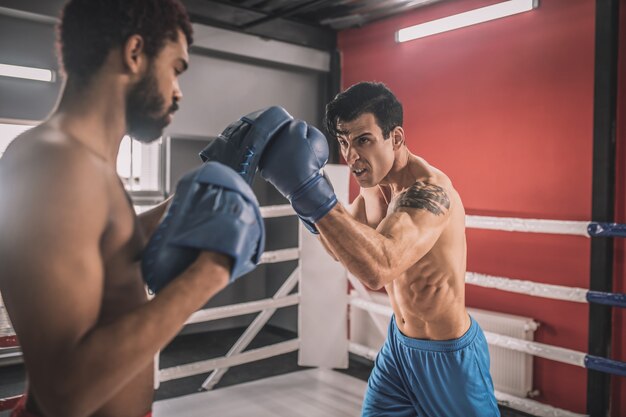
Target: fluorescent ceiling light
[[472, 17], [28, 73]]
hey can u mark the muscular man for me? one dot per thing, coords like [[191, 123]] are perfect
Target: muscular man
[[71, 243], [404, 232]]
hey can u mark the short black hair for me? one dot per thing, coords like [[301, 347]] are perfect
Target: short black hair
[[89, 29], [364, 97]]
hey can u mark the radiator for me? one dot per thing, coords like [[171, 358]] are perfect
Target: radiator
[[512, 372]]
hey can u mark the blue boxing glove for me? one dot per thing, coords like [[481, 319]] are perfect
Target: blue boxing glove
[[242, 143], [293, 163], [215, 210]]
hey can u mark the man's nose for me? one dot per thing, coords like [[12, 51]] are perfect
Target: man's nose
[[178, 93], [351, 155]]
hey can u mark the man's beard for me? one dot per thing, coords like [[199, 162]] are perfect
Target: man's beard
[[145, 117]]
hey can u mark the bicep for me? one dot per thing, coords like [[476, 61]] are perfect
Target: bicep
[[417, 219], [411, 233]]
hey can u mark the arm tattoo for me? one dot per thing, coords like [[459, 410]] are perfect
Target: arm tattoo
[[424, 196]]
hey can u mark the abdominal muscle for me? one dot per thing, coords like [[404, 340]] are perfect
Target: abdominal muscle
[[429, 302]]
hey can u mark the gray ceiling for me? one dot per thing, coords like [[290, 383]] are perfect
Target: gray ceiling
[[335, 14], [306, 22]]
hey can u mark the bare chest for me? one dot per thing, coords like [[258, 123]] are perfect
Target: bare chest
[[121, 248], [376, 208]]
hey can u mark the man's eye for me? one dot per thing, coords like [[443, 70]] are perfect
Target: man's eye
[[363, 140]]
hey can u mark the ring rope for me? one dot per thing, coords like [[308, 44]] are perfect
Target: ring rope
[[232, 310], [555, 292], [508, 224], [532, 407], [252, 355]]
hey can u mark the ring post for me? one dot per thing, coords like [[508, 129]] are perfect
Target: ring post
[[322, 319]]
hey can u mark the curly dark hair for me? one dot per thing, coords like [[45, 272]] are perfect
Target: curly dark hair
[[364, 97], [89, 29]]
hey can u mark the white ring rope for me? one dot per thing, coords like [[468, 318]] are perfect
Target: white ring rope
[[252, 355], [507, 224], [282, 210], [371, 306], [542, 350], [556, 292], [281, 255], [533, 407], [240, 309], [362, 350]]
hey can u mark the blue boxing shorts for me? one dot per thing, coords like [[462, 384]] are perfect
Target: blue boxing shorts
[[428, 378]]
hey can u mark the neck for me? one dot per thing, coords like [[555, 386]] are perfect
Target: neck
[[400, 176], [94, 115]]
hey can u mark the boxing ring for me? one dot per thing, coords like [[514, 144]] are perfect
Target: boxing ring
[[325, 342]]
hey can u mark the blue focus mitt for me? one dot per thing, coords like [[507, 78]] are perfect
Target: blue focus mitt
[[214, 209]]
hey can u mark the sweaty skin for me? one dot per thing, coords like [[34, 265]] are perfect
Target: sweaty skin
[[70, 253], [405, 232]]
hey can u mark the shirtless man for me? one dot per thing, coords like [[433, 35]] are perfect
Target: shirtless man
[[404, 232], [71, 242]]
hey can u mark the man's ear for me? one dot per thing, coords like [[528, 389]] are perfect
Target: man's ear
[[397, 135], [134, 55]]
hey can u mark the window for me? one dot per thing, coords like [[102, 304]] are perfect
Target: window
[[141, 168], [8, 132]]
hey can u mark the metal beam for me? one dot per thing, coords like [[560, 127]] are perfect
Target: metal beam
[[218, 14], [298, 8], [365, 13], [333, 87], [603, 204]]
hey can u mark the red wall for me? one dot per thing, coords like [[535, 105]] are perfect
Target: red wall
[[505, 108]]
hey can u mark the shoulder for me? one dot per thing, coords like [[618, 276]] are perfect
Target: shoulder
[[432, 193], [44, 156], [45, 170], [424, 196]]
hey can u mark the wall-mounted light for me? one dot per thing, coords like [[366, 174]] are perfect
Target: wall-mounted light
[[460, 20], [29, 73]]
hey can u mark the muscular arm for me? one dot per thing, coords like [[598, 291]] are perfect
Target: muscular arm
[[410, 230], [357, 211], [52, 284]]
